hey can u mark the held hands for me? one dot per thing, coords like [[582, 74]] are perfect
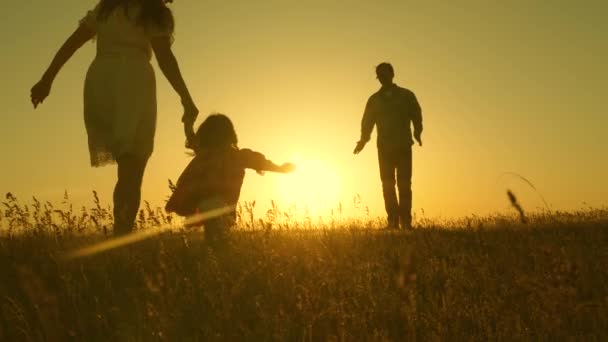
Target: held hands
[[190, 136], [359, 147], [190, 111], [40, 91], [190, 114]]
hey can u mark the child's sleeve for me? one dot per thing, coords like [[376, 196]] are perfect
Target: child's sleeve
[[256, 161], [182, 200]]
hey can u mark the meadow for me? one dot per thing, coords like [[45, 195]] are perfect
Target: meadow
[[278, 278]]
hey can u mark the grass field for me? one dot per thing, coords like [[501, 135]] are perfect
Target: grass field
[[491, 278]]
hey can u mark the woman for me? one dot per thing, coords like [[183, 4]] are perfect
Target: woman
[[120, 90]]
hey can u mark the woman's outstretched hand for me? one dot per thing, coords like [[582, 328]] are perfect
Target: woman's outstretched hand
[[40, 91], [190, 112]]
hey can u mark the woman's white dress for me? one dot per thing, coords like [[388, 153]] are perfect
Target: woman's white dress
[[120, 87]]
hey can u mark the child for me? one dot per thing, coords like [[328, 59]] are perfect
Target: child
[[213, 179]]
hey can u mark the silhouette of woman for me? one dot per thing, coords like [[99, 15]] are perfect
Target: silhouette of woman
[[120, 90]]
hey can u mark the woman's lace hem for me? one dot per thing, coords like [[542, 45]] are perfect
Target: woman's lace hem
[[102, 158]]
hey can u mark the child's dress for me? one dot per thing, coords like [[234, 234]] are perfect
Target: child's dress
[[120, 87], [213, 179]]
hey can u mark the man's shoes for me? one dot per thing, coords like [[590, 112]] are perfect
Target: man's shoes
[[401, 224], [406, 224], [392, 225], [407, 227]]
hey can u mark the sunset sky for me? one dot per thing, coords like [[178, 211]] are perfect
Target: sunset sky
[[515, 86]]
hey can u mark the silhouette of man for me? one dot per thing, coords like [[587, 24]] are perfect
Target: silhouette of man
[[391, 109]]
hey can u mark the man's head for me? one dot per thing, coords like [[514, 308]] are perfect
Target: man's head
[[385, 73]]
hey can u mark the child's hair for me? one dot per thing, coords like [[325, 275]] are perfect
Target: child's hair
[[153, 13], [215, 132]]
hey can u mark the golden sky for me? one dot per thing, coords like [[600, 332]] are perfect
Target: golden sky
[[509, 87]]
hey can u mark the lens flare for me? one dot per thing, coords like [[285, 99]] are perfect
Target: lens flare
[[144, 234]]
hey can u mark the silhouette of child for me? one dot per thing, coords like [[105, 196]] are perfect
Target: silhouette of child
[[213, 179]]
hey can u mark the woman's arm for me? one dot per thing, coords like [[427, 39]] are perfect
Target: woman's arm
[[74, 42], [168, 65]]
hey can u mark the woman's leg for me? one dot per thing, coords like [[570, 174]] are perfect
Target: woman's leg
[[127, 192]]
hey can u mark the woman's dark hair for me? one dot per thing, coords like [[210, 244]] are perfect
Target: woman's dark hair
[[215, 132], [154, 13]]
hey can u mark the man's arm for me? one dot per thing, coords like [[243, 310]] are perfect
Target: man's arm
[[417, 119], [367, 126]]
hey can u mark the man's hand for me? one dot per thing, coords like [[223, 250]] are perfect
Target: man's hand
[[359, 147], [418, 137], [40, 91]]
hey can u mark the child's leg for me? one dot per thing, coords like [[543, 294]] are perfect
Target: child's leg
[[212, 230], [216, 230], [127, 192]]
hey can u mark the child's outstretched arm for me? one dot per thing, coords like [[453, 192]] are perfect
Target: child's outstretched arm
[[75, 41], [257, 161], [283, 168]]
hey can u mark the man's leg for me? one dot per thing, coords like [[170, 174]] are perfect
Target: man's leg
[[386, 159], [404, 183], [127, 192]]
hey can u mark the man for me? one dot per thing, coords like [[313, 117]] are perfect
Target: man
[[391, 109]]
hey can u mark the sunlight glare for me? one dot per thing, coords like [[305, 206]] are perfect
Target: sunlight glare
[[315, 184], [143, 234]]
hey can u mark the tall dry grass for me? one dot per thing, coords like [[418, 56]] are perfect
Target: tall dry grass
[[476, 278]]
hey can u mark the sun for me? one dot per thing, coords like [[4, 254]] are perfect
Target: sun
[[315, 184]]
